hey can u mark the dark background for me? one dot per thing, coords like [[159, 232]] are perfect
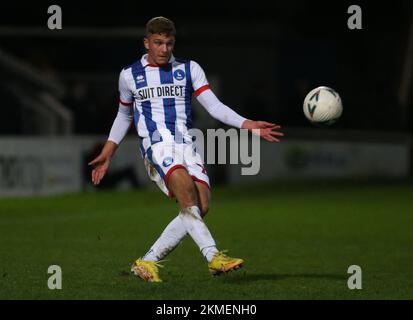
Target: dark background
[[267, 56]]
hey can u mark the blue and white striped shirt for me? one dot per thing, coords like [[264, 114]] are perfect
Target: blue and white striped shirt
[[161, 97]]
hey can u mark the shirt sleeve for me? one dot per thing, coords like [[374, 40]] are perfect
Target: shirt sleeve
[[125, 94], [124, 117], [121, 124], [218, 110], [199, 80]]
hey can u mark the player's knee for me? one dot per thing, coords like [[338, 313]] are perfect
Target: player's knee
[[187, 199]]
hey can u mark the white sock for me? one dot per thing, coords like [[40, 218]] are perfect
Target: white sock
[[197, 229], [169, 240]]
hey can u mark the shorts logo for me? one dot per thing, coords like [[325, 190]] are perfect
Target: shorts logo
[[167, 161], [179, 74]]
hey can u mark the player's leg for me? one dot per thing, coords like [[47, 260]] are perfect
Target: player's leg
[[159, 171], [194, 197], [204, 197], [188, 195], [185, 191], [170, 238], [175, 231], [147, 266], [220, 262], [181, 184]]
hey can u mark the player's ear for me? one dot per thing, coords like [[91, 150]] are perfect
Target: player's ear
[[146, 43]]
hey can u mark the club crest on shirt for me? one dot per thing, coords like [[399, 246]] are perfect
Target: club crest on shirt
[[167, 161], [179, 74]]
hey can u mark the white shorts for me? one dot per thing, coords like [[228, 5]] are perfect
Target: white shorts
[[163, 158]]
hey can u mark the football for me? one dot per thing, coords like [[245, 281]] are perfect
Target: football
[[323, 106]]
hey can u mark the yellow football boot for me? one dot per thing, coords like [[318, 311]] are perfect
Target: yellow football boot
[[221, 263], [147, 270]]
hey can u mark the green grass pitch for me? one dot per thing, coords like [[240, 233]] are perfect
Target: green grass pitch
[[297, 240]]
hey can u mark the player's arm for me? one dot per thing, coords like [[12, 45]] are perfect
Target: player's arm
[[221, 112], [119, 129]]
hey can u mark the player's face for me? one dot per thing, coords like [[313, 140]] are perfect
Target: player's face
[[159, 48]]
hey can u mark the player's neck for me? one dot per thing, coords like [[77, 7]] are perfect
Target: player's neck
[[152, 63]]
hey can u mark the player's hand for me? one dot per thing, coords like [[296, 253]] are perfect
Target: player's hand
[[100, 166], [267, 130]]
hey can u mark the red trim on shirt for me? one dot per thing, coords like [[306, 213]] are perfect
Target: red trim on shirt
[[158, 65], [200, 90], [127, 104]]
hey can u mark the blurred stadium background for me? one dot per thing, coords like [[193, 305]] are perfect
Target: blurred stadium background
[[59, 87], [58, 91]]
